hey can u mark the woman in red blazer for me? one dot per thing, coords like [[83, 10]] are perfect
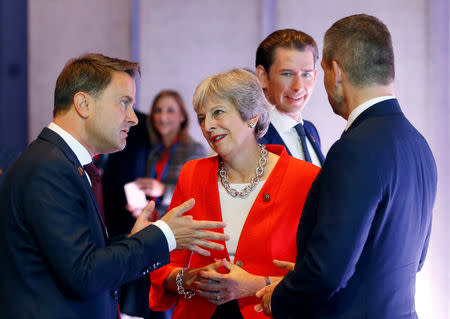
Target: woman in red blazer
[[257, 190]]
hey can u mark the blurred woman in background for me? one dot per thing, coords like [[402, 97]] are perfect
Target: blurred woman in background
[[172, 146]]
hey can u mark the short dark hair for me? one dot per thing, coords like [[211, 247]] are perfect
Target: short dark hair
[[154, 134], [286, 38], [90, 73], [361, 45]]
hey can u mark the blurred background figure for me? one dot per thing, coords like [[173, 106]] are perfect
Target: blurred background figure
[[172, 147], [257, 190]]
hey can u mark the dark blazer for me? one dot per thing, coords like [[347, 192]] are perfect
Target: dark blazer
[[56, 261], [7, 158], [365, 225], [273, 137]]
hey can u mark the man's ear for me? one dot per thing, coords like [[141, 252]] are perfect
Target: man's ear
[[81, 102], [337, 73], [262, 76]]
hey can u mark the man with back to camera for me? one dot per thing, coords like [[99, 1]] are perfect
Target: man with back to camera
[[366, 224], [56, 257], [286, 67]]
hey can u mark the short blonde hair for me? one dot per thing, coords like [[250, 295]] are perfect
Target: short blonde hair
[[240, 88]]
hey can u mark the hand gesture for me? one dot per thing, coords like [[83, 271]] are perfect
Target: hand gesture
[[144, 219], [191, 234], [284, 264], [266, 296], [219, 288]]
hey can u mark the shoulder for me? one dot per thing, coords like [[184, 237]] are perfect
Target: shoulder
[[297, 167], [199, 166], [192, 147]]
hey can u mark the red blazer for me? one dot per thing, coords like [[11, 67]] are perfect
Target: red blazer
[[268, 233]]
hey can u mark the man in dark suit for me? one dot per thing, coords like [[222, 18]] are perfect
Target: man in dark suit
[[366, 224], [286, 67], [7, 157], [56, 257]]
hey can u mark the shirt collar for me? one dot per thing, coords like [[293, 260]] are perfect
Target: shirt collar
[[80, 151], [362, 107], [281, 121]]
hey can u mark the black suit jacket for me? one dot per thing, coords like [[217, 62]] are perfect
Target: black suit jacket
[[56, 261], [273, 137], [365, 225], [121, 168]]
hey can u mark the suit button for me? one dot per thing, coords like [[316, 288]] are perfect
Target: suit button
[[239, 263], [115, 293]]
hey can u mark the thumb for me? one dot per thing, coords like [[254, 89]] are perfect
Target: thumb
[[148, 210], [187, 205]]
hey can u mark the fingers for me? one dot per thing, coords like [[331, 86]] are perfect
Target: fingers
[[206, 224], [199, 250], [284, 264], [258, 308], [148, 210], [187, 205], [260, 293], [211, 235]]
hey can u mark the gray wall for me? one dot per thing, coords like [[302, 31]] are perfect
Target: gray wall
[[181, 42]]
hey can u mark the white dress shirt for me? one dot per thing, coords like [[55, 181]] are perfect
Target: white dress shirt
[[84, 158], [285, 126]]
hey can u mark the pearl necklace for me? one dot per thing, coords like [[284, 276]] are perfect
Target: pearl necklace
[[253, 182]]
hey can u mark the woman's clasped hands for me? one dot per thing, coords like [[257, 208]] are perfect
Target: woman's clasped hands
[[218, 287]]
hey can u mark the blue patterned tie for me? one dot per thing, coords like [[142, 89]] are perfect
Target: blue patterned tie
[[301, 133]]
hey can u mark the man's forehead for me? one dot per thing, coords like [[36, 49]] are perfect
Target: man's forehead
[[293, 57]]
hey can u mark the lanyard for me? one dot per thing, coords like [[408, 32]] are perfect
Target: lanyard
[[160, 168]]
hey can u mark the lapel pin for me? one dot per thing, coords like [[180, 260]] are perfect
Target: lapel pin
[[266, 197], [80, 171]]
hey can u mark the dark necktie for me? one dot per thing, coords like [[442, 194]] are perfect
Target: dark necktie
[[96, 181], [301, 133]]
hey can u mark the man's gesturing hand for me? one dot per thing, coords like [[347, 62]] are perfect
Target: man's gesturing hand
[[191, 234]]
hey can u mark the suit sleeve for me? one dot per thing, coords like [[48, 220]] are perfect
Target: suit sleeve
[[58, 212], [159, 298], [336, 221]]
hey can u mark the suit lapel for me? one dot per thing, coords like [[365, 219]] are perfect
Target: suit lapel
[[55, 139]]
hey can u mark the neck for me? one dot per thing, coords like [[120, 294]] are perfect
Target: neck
[[168, 139], [355, 96], [72, 125], [294, 115], [241, 167]]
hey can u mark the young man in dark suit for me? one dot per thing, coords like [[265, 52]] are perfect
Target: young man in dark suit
[[286, 67], [57, 260], [366, 224]]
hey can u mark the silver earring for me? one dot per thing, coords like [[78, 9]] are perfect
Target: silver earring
[[251, 124]]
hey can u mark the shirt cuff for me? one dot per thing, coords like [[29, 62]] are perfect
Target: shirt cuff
[[170, 237]]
